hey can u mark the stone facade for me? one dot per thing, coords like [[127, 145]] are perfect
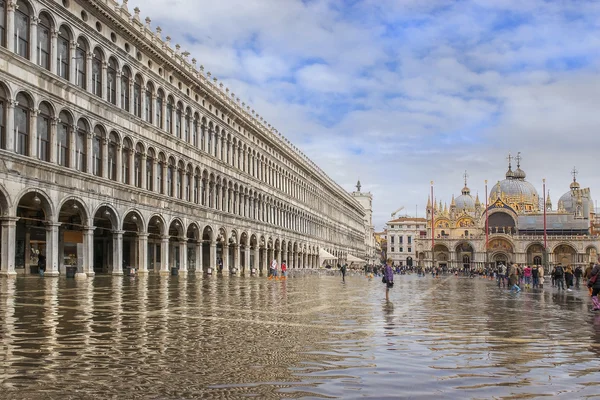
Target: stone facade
[[402, 234], [117, 151]]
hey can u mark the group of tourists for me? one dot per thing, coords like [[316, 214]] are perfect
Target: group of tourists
[[274, 270]]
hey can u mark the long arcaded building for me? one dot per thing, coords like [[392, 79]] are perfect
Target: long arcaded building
[[117, 151]]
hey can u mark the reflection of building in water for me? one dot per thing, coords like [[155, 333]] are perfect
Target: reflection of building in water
[[515, 226], [119, 152]]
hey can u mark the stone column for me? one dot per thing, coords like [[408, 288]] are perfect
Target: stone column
[[164, 255], [53, 140], [183, 267], [213, 256], [142, 253], [117, 267], [225, 257], [88, 250], [131, 96], [89, 149], [119, 163], [33, 150], [53, 51], [10, 125], [7, 249], [143, 172], [256, 258], [247, 259], [10, 25], [132, 166], [174, 179], [104, 80], [72, 63], [163, 171], [89, 82], [33, 33], [236, 257], [199, 256], [118, 89], [105, 158], [52, 250]]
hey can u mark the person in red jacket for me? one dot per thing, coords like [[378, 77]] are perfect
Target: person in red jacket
[[283, 270]]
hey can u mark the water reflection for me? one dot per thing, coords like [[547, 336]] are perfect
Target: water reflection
[[197, 336]]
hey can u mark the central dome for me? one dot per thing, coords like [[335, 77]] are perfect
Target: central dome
[[516, 191]]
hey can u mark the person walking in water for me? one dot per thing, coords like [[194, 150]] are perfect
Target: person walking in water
[[594, 285], [513, 278], [273, 269], [343, 269], [388, 277]]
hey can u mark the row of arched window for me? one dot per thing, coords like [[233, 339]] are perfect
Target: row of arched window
[[102, 76]]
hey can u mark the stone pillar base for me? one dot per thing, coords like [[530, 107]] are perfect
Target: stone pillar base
[[117, 273], [7, 274], [81, 276], [165, 273], [142, 272], [91, 274], [183, 273], [51, 273]]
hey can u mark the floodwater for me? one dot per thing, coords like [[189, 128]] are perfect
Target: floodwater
[[308, 337]]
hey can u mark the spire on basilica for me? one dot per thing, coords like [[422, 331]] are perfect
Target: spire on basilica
[[466, 190], [358, 186], [428, 202], [452, 203], [575, 185], [548, 202], [509, 174], [477, 202], [519, 173]]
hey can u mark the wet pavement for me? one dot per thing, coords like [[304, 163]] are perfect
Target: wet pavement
[[312, 337]]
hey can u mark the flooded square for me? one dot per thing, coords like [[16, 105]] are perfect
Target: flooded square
[[307, 337]]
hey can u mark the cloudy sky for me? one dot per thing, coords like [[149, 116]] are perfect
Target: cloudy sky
[[402, 92]]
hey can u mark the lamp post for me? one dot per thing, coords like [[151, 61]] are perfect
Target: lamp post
[[432, 227]]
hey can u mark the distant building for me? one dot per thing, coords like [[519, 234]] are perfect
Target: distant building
[[515, 221], [402, 234], [366, 200]]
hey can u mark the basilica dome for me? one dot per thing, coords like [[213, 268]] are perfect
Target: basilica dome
[[516, 191], [577, 198], [465, 201]]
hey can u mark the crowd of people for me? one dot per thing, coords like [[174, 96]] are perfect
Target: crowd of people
[[514, 277]]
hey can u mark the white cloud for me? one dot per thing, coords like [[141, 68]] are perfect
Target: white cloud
[[399, 93]]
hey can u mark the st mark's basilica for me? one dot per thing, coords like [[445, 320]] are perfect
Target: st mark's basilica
[[515, 220]]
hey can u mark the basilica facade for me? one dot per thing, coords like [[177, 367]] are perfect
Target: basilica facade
[[116, 150], [521, 227]]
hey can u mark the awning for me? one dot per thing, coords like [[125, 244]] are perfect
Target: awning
[[324, 255], [352, 259]]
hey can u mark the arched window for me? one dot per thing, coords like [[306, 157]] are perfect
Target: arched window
[[150, 170], [137, 96], [209, 133], [63, 139], [97, 151], [202, 135], [196, 186], [537, 260], [126, 155], [148, 104], [137, 165], [125, 79], [159, 108], [3, 103], [62, 53], [81, 146], [178, 120], [43, 41], [169, 118], [111, 77], [3, 23], [81, 63], [22, 13], [44, 124], [22, 113], [179, 182], [113, 143], [216, 153]]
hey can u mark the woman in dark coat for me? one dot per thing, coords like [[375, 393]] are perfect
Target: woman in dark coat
[[388, 274], [595, 287]]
